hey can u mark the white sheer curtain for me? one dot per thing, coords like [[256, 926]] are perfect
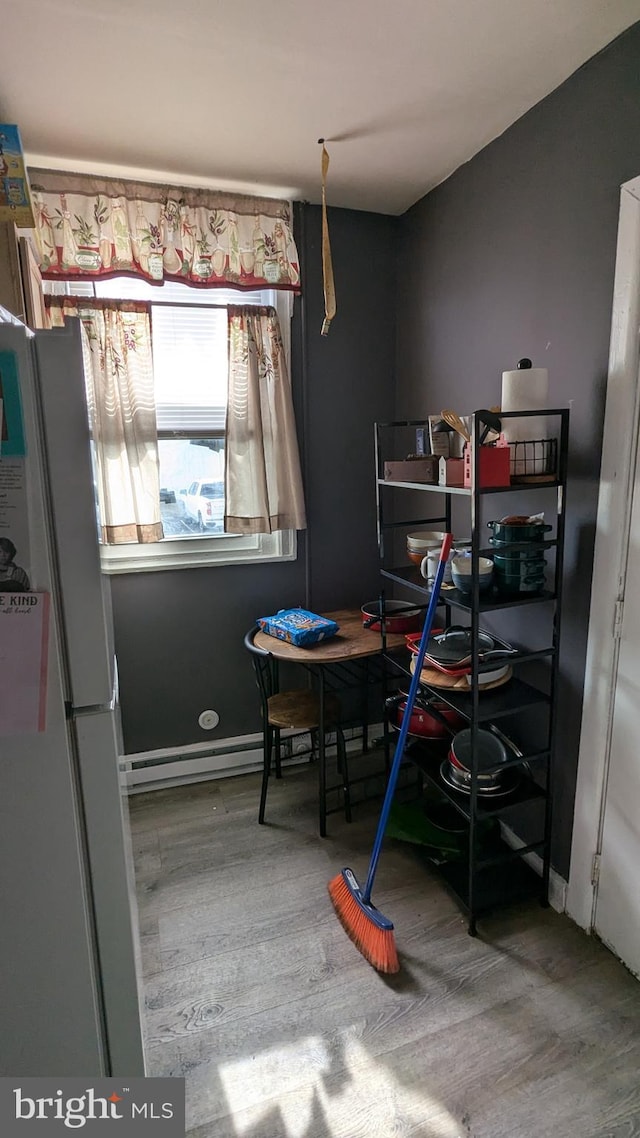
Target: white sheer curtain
[[116, 338], [263, 481]]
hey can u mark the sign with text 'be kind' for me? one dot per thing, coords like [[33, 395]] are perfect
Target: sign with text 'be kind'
[[24, 639]]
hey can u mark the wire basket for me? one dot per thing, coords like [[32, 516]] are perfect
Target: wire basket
[[534, 460]]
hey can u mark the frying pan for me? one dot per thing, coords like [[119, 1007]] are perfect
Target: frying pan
[[399, 616], [457, 780], [494, 748], [451, 649], [490, 751]]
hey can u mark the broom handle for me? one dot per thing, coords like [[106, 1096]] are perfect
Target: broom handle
[[406, 716]]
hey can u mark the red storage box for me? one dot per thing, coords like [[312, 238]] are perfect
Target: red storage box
[[495, 465]]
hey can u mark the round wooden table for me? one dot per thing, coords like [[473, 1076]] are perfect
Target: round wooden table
[[351, 642]]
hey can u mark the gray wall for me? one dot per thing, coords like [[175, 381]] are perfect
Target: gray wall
[[514, 255], [179, 634]]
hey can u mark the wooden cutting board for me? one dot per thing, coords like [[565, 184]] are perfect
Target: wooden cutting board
[[437, 679]]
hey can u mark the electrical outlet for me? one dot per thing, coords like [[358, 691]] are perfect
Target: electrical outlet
[[208, 720]]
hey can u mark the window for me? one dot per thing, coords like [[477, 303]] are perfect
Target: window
[[189, 336]]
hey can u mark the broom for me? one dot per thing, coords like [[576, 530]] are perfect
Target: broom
[[369, 929]]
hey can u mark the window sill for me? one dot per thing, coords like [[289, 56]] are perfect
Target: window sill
[[197, 552]]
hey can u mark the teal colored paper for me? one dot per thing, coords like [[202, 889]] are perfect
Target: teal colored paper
[[12, 439]]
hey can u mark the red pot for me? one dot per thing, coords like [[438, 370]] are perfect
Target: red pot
[[399, 616], [428, 726]]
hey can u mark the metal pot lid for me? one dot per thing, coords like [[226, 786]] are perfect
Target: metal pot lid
[[454, 645], [489, 750]]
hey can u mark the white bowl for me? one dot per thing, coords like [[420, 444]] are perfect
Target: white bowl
[[464, 566], [424, 539], [462, 573]]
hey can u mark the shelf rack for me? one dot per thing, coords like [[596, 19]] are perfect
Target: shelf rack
[[488, 878]]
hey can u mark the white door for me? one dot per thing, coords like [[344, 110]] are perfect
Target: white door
[[617, 919]]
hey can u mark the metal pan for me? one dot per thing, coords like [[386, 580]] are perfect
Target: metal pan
[[452, 648], [451, 777], [399, 616], [489, 751]]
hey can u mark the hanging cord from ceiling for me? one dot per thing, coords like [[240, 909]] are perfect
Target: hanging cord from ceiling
[[327, 265]]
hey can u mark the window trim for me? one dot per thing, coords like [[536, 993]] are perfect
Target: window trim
[[199, 552]]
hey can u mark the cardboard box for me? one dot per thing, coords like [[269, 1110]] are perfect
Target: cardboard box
[[424, 469], [15, 192], [451, 472], [495, 465]]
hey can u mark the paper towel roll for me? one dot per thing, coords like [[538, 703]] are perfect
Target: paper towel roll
[[525, 389]]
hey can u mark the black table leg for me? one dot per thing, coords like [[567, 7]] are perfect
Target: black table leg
[[365, 708], [322, 761]]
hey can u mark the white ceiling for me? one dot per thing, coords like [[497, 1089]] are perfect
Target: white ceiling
[[236, 93]]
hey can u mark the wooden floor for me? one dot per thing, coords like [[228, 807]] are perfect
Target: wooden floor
[[256, 995]]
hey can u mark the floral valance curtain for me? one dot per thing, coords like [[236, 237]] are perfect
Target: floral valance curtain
[[92, 227], [116, 342], [263, 481]]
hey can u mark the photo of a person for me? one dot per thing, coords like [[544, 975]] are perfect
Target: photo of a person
[[13, 578]]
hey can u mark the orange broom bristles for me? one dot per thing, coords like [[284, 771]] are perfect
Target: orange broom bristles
[[377, 945]]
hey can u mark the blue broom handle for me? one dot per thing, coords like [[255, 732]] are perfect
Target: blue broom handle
[[406, 716]]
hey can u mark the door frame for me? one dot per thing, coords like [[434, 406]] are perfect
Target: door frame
[[619, 449]]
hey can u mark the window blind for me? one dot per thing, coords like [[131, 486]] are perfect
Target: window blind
[[190, 367]]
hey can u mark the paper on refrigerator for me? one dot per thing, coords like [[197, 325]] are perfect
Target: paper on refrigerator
[[24, 641]]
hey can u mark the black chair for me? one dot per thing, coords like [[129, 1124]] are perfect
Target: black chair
[[297, 710]]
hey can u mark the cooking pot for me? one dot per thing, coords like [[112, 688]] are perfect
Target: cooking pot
[[517, 531], [399, 616], [530, 586], [520, 576], [532, 556], [458, 779], [426, 721]]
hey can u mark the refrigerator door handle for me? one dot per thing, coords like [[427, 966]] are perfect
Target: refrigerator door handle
[[96, 708], [89, 709]]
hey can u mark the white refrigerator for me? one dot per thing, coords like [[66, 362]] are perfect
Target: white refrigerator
[[69, 948]]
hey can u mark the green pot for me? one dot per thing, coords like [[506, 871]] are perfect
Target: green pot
[[507, 532]]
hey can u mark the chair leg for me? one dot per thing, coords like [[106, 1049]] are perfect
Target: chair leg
[[276, 734], [343, 766], [322, 792], [266, 769]]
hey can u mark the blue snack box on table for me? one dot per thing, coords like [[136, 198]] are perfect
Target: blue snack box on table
[[299, 627]]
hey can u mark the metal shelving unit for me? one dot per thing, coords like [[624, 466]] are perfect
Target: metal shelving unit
[[498, 875]]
